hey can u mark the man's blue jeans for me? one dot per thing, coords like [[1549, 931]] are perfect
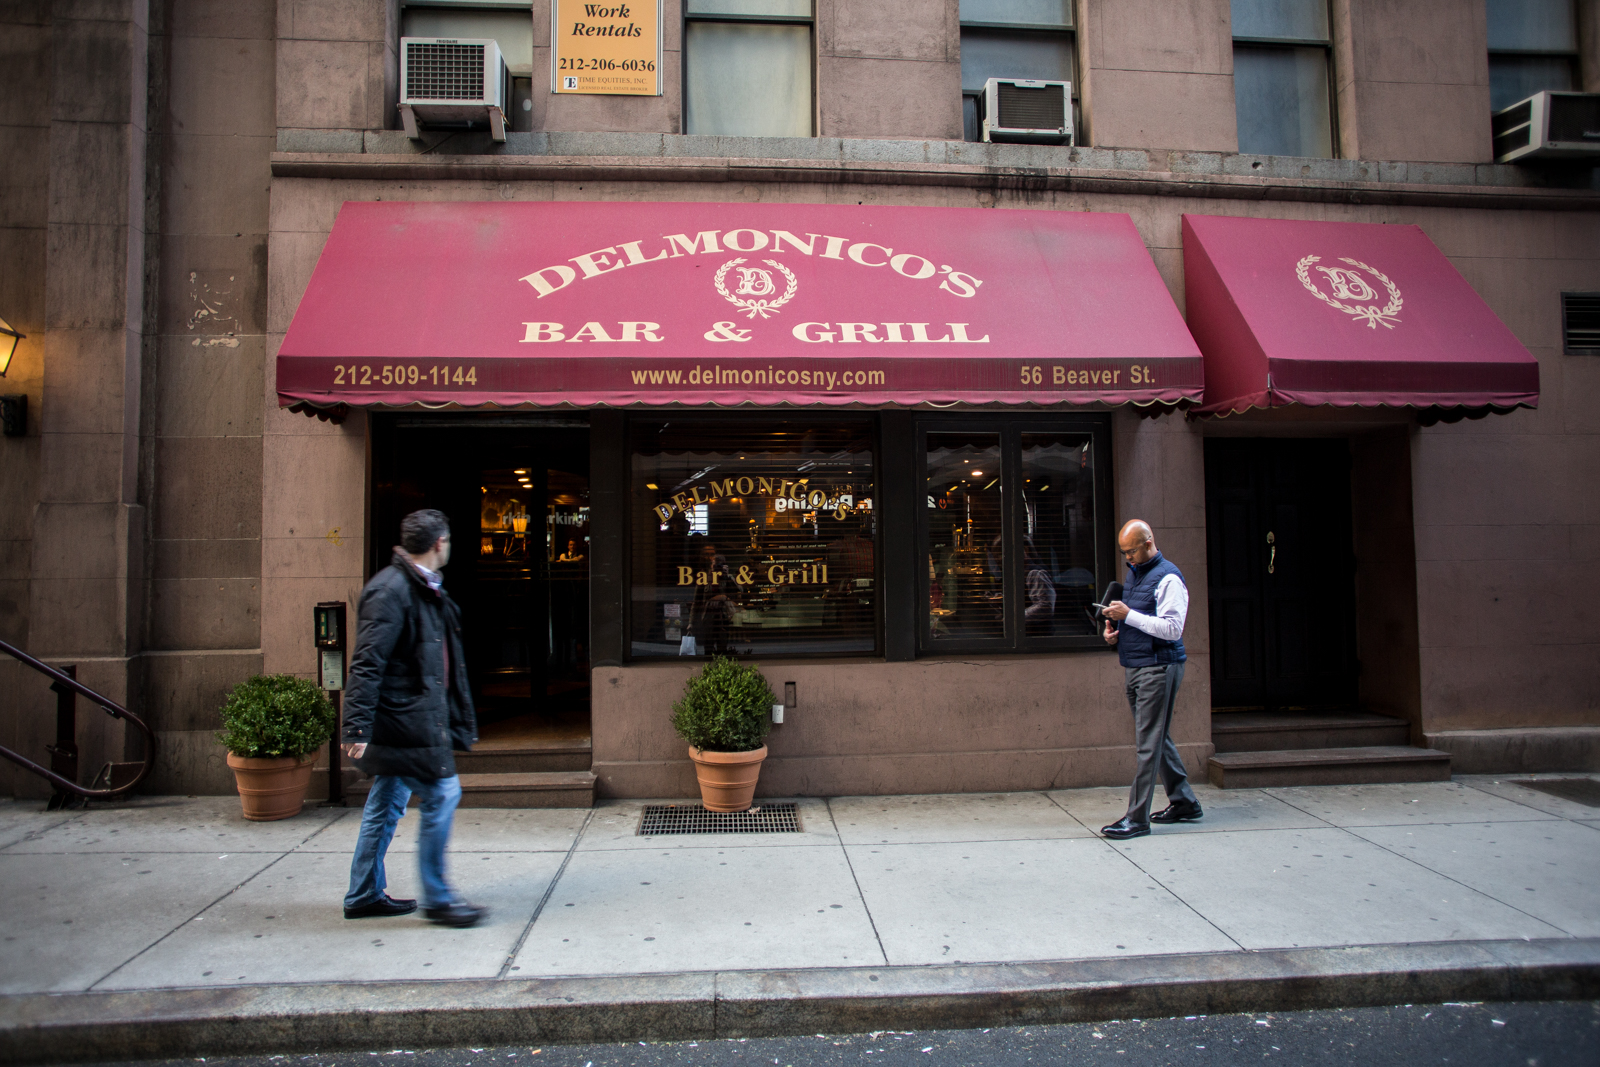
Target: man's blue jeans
[[386, 805]]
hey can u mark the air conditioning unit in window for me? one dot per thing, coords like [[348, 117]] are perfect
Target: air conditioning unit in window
[[1548, 125], [453, 82], [1020, 111]]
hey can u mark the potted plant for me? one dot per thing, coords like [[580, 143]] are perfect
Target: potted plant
[[725, 714], [272, 727]]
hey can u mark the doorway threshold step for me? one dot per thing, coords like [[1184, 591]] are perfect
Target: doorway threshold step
[[501, 757], [1328, 766], [1273, 731], [535, 789]]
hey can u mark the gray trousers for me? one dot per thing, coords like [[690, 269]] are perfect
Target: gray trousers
[[1151, 693]]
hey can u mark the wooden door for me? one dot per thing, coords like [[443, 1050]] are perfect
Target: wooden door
[[1281, 570]]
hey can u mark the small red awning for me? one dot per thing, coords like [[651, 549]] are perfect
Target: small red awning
[[690, 303], [1343, 313]]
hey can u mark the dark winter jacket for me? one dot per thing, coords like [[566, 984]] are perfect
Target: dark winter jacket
[[397, 699]]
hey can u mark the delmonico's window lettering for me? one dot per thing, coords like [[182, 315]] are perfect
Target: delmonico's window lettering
[[753, 541]]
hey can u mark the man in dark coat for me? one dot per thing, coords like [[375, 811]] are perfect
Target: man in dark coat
[[407, 706]]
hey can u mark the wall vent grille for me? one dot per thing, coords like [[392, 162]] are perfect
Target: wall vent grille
[[1580, 323]]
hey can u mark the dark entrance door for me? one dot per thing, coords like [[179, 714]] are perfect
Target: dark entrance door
[[1282, 573], [517, 498]]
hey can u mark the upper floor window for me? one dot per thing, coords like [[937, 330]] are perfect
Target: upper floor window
[[509, 23], [1282, 77], [1533, 46], [747, 68], [1012, 39]]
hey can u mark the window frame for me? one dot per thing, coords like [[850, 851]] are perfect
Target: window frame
[[1069, 31], [1573, 57], [757, 421], [785, 20], [1011, 427], [1286, 43]]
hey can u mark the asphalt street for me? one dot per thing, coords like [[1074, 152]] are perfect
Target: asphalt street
[[1553, 1034]]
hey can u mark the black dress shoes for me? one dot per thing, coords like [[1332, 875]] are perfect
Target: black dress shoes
[[455, 914], [384, 905], [1124, 828], [1179, 811]]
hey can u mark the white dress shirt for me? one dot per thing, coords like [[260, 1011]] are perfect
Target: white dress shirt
[[1172, 608]]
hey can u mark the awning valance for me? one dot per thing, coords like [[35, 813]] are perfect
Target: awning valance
[[1343, 313], [648, 303]]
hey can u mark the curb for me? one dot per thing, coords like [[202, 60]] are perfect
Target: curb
[[66, 1027]]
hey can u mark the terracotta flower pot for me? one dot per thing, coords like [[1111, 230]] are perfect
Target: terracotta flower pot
[[727, 779], [272, 788]]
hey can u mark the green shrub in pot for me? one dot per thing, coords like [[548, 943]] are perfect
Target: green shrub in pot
[[725, 715], [727, 707], [272, 727], [275, 715]]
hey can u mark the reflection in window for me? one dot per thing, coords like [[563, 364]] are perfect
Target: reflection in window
[[1533, 46], [1281, 84], [1058, 542], [752, 541], [966, 544]]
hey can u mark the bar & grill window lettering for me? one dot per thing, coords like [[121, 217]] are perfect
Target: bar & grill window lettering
[[753, 541]]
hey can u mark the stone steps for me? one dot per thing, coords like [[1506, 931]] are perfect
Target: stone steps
[[490, 757], [528, 789], [1328, 766], [1260, 731]]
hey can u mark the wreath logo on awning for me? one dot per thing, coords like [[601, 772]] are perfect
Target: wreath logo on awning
[[1348, 285], [756, 284]]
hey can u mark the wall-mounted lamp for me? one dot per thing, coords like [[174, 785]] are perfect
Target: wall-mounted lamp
[[13, 408], [8, 345]]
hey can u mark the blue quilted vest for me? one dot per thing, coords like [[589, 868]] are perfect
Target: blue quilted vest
[[1135, 648]]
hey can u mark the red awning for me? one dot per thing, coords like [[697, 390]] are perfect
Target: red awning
[[1343, 313], [622, 303]]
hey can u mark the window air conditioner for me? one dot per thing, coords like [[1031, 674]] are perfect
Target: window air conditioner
[[1548, 125], [1027, 112], [460, 82]]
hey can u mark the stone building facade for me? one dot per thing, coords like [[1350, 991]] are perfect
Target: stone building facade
[[174, 170]]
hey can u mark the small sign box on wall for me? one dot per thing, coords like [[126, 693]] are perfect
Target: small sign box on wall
[[610, 48]]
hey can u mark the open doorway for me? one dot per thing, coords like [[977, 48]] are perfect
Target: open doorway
[[516, 492]]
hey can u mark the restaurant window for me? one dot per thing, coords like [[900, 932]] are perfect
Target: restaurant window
[[1015, 534], [753, 539], [1533, 46], [1013, 39], [1282, 77], [747, 68]]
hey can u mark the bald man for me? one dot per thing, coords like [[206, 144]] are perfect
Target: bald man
[[1149, 641]]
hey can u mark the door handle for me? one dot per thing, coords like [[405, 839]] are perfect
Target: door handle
[[1272, 560]]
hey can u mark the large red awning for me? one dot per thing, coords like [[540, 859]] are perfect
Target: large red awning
[[624, 303], [1343, 313]]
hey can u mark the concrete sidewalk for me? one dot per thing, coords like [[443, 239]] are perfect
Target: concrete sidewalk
[[161, 899]]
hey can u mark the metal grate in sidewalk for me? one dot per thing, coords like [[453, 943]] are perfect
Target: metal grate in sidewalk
[[661, 819], [1582, 790]]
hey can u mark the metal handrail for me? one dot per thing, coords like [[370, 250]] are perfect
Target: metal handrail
[[59, 681]]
